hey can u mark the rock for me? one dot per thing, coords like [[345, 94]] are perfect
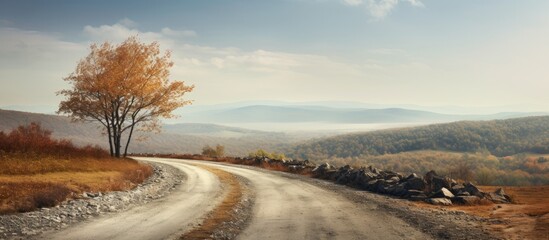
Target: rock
[[413, 175], [463, 193], [472, 189], [500, 192], [467, 200], [439, 201], [415, 183], [124, 199], [399, 190], [370, 176], [457, 188], [414, 192], [496, 198], [429, 176], [438, 183], [419, 197], [443, 193], [393, 179]]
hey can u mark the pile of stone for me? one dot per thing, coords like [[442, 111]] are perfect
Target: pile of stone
[[430, 188]]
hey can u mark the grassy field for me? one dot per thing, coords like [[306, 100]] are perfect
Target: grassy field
[[37, 171]]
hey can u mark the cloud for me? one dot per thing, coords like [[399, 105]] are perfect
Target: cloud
[[221, 74], [169, 32], [126, 28], [378, 9], [415, 3], [353, 2], [127, 22], [33, 64]]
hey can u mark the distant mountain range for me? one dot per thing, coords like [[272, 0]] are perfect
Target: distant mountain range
[[322, 114], [208, 127]]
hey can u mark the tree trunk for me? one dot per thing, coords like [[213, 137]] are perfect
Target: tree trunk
[[129, 139], [116, 139], [117, 145], [110, 140]]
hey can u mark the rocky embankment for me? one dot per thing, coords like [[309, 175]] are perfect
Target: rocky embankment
[[25, 225], [431, 187]]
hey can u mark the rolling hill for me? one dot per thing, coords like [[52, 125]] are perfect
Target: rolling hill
[[176, 138], [499, 137]]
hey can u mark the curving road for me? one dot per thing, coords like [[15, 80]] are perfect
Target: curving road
[[166, 218], [292, 209], [284, 208]]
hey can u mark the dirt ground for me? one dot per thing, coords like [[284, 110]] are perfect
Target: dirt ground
[[527, 218]]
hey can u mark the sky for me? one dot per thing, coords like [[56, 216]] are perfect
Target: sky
[[465, 53]]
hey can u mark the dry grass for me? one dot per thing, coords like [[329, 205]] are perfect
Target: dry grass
[[22, 191], [37, 171], [223, 212]]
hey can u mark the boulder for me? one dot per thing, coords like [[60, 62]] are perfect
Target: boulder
[[415, 183], [438, 183], [322, 168], [463, 193], [443, 193], [500, 192], [399, 190], [429, 176], [413, 175], [457, 188], [439, 201], [496, 198], [370, 175], [467, 200], [472, 189]]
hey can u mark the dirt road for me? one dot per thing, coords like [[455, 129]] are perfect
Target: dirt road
[[165, 218], [284, 208], [292, 209]]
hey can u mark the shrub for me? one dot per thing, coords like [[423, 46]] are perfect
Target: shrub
[[260, 153], [32, 139], [218, 152]]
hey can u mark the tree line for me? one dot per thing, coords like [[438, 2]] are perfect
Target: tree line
[[498, 137]]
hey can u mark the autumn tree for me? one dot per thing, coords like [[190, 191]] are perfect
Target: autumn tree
[[124, 87]]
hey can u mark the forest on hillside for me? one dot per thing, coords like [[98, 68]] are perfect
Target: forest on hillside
[[499, 152], [498, 137]]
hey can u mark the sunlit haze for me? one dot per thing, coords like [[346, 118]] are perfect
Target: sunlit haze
[[472, 54]]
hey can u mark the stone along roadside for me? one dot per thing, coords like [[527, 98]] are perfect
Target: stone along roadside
[[25, 225]]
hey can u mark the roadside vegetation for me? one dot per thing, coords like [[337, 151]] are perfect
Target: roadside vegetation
[[513, 152], [39, 171], [498, 137]]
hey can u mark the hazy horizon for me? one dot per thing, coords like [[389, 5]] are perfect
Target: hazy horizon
[[465, 57]]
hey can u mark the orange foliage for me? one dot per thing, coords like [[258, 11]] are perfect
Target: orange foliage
[[123, 86]]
